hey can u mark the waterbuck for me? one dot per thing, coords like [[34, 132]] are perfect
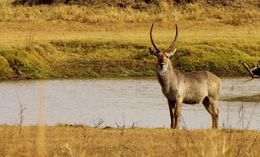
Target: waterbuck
[[185, 87]]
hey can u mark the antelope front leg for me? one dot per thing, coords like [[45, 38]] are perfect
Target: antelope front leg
[[177, 114], [175, 108], [172, 111]]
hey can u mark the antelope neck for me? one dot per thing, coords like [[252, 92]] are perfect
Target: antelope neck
[[166, 76]]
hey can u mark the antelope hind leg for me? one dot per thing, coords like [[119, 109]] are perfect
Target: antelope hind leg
[[214, 107], [211, 107]]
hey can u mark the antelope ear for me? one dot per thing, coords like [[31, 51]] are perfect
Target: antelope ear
[[172, 53], [152, 52]]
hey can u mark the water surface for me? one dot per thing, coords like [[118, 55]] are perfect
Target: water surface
[[121, 102]]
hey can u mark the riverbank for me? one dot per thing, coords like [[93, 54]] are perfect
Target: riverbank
[[252, 98], [64, 140], [60, 41], [120, 50]]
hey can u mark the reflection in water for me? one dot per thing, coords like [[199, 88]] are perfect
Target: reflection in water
[[121, 101]]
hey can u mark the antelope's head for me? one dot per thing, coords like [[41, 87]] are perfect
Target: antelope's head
[[163, 56]]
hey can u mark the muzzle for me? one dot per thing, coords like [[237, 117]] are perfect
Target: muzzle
[[161, 65]]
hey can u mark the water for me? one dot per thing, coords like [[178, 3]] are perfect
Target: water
[[121, 102]]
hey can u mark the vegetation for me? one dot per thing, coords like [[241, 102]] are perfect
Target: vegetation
[[124, 54], [233, 12], [111, 40], [253, 98], [80, 39], [79, 140]]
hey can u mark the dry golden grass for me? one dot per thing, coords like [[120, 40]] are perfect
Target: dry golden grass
[[84, 141], [17, 33], [164, 11]]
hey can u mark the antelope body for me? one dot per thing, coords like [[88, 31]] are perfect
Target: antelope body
[[185, 87]]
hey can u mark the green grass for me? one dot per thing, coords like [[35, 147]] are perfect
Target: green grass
[[125, 54], [113, 58], [80, 140]]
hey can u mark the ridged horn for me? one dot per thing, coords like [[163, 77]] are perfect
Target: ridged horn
[[151, 37], [174, 41]]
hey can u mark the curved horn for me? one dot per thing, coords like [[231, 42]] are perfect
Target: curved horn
[[151, 37], [174, 41]]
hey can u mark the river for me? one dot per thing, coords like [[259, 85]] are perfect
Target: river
[[117, 103]]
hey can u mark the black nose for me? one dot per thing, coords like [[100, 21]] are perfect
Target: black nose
[[161, 65]]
